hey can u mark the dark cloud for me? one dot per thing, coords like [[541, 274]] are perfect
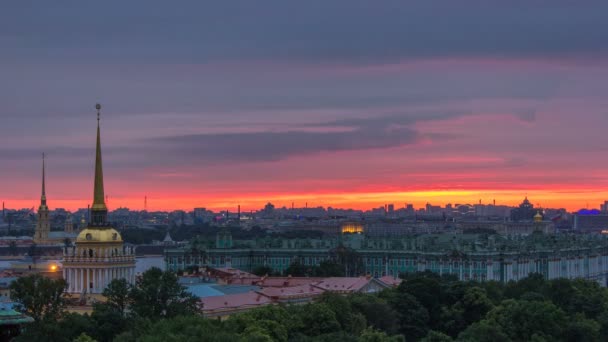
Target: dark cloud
[[272, 146], [347, 31]]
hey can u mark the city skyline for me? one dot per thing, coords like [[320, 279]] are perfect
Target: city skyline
[[381, 108]]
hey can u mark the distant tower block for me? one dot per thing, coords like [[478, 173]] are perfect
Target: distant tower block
[[146, 203]]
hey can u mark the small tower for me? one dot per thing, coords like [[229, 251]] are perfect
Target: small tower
[[538, 218], [538, 222], [83, 222], [69, 224], [41, 234]]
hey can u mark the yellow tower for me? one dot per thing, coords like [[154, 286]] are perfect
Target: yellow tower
[[43, 227], [99, 255], [538, 218]]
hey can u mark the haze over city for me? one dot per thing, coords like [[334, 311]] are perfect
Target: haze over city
[[342, 104]]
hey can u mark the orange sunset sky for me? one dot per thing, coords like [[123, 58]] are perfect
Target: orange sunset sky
[[368, 106]]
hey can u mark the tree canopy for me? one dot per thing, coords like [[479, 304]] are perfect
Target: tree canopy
[[425, 307]]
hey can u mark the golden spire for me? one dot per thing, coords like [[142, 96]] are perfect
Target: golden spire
[[99, 209], [43, 197]]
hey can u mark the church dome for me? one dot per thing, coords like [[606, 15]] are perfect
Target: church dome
[[97, 235], [538, 217]]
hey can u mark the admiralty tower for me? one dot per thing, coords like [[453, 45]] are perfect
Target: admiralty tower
[[99, 255]]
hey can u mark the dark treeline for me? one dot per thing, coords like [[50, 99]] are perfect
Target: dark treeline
[[425, 307]]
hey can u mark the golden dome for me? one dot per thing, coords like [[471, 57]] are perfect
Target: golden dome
[[538, 217], [352, 228], [97, 235]]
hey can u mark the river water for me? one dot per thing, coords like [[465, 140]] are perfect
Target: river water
[[141, 263]]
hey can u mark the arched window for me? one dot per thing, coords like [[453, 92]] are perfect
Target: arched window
[[90, 253]]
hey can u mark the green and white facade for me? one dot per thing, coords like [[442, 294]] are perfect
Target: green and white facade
[[468, 256]]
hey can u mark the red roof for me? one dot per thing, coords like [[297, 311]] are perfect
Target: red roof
[[233, 302], [390, 281], [301, 291], [286, 281], [344, 284]]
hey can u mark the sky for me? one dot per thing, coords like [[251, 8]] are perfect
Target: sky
[[330, 103]]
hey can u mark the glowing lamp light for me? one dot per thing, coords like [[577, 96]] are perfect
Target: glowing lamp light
[[53, 268]]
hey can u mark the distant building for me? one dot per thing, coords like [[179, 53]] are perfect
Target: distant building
[[590, 221], [478, 257], [525, 211]]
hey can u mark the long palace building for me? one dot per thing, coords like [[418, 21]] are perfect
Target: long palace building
[[478, 257], [99, 255]]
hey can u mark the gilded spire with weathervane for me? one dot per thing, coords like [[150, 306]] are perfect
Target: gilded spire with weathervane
[[43, 196], [99, 211]]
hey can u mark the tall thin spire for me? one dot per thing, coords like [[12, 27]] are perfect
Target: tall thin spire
[[99, 210], [43, 197]]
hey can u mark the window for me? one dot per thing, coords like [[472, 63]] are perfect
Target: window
[[89, 236]]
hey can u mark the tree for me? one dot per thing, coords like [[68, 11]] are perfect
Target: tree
[[413, 316], [351, 322], [483, 331], [297, 269], [158, 294], [183, 328], [117, 295], [582, 329], [426, 289], [84, 338], [370, 335], [317, 319], [520, 319], [435, 336], [39, 297], [110, 316], [377, 312], [328, 268], [262, 271]]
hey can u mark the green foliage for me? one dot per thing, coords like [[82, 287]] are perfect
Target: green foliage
[[186, 328], [326, 268], [317, 319], [262, 271], [436, 336], [582, 329], [425, 307], [158, 294], [39, 297], [483, 331], [520, 319], [117, 295], [370, 335], [377, 312], [84, 338]]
